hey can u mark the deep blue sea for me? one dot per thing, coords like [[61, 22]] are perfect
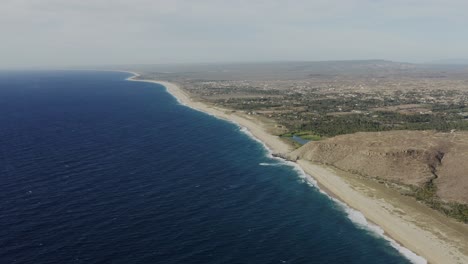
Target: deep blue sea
[[97, 169]]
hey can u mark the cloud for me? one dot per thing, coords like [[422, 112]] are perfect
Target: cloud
[[73, 32]]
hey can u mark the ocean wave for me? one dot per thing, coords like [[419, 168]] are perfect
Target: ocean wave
[[268, 164], [360, 220], [250, 135], [354, 215]]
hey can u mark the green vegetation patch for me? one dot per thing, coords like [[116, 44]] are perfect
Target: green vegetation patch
[[382, 121], [427, 195]]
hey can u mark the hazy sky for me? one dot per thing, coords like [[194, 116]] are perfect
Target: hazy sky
[[93, 32]]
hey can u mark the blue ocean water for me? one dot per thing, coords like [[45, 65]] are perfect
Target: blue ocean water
[[96, 169]]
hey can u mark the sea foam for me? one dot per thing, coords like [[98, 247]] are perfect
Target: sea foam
[[269, 164], [354, 215]]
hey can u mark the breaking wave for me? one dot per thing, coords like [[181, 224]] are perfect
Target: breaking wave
[[354, 215]]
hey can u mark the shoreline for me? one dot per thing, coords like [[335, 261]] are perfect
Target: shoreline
[[271, 141], [403, 232]]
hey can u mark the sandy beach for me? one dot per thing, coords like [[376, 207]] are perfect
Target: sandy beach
[[432, 236], [273, 142]]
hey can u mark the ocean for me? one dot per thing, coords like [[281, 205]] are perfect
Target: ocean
[[97, 169]]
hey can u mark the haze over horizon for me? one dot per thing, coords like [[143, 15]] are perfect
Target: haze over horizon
[[53, 33]]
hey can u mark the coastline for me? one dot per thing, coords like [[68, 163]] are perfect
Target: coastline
[[430, 242], [271, 141]]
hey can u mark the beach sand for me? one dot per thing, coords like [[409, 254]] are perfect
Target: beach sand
[[252, 124], [427, 233]]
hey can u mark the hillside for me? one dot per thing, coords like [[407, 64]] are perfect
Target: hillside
[[432, 166]]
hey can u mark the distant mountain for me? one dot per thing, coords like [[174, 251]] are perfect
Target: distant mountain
[[451, 62], [278, 70]]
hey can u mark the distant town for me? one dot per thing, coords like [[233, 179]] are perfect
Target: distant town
[[324, 99]]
